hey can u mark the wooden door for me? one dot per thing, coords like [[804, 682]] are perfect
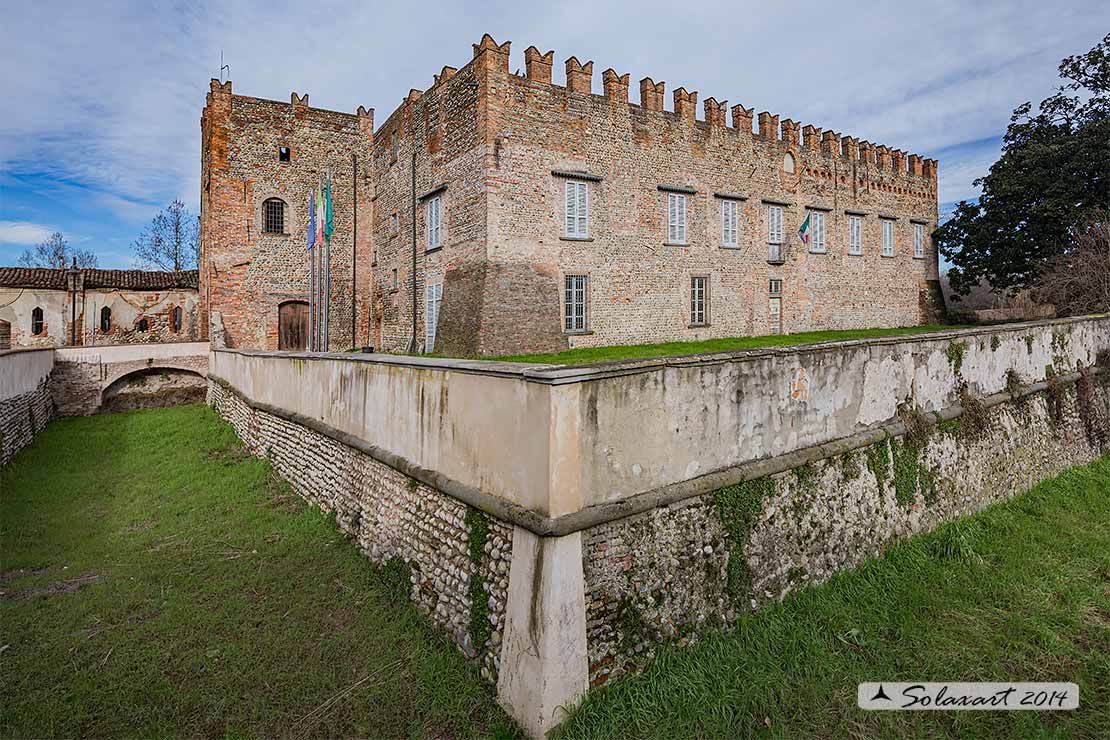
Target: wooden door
[[293, 326]]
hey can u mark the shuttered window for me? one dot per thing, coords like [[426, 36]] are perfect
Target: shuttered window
[[774, 224], [433, 296], [728, 223], [574, 303], [888, 238], [676, 218], [919, 240], [434, 214], [699, 300], [577, 210], [817, 229], [855, 235]]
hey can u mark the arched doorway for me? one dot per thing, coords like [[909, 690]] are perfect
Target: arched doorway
[[293, 326]]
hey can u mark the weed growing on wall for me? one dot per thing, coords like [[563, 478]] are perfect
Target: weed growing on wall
[[1057, 396], [995, 342], [477, 528], [1029, 344], [849, 467], [956, 352], [878, 462], [975, 421], [738, 507]]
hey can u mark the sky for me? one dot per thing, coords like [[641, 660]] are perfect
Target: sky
[[101, 123]]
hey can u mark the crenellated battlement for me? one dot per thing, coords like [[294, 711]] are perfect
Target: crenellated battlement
[[790, 133]]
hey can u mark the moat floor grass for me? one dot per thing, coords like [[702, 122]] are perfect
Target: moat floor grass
[[589, 355], [1020, 592], [222, 606]]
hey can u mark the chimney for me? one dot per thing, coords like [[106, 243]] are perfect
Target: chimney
[[651, 94], [579, 75], [538, 66]]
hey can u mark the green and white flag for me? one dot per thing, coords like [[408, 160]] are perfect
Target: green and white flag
[[803, 230]]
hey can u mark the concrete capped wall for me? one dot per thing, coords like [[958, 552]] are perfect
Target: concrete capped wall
[[21, 370]]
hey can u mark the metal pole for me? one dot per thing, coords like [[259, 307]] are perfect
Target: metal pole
[[354, 244], [311, 338], [327, 282], [412, 344]]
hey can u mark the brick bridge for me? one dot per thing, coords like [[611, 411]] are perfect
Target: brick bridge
[[89, 379]]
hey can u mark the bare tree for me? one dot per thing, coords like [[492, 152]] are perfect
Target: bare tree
[[170, 242], [1078, 280], [56, 252]]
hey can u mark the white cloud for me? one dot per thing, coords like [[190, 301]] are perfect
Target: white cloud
[[109, 95], [23, 232]]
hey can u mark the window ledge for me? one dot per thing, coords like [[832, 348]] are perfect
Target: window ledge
[[576, 238], [818, 251], [779, 261], [887, 256], [429, 250], [919, 258], [698, 326], [732, 247], [583, 333], [676, 244], [853, 254]]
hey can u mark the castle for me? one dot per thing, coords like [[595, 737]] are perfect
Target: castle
[[496, 213]]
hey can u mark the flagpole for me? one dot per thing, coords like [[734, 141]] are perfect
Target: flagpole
[[327, 273]]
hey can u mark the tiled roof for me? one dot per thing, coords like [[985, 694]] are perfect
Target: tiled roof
[[53, 278]]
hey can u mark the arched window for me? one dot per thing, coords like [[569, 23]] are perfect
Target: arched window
[[36, 321], [143, 325], [177, 318], [788, 162], [105, 319], [273, 216]]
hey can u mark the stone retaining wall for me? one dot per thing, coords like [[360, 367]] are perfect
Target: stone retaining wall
[[669, 574], [460, 587]]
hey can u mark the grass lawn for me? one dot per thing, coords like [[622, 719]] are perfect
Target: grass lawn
[[587, 355], [1018, 593], [158, 582]]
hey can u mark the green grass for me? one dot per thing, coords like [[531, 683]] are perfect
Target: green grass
[[1020, 592], [223, 606], [587, 355]]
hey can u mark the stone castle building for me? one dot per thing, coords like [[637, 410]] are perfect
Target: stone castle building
[[45, 307], [497, 213]]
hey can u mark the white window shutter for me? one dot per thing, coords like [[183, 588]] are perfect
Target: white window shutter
[[583, 209], [570, 206], [672, 218]]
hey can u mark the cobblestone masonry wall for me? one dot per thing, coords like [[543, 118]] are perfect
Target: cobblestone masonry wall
[[668, 574], [80, 384], [390, 516], [22, 417]]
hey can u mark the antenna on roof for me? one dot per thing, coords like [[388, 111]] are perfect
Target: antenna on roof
[[223, 67]]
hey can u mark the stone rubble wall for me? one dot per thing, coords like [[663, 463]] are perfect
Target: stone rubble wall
[[391, 516], [22, 417], [668, 574]]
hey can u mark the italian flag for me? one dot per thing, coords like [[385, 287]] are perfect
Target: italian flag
[[803, 230]]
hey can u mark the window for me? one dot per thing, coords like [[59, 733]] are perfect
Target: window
[[36, 321], [699, 300], [433, 223], [788, 162], [576, 210], [394, 224], [433, 296], [273, 216], [177, 318], [143, 325], [728, 223], [774, 224], [393, 279], [817, 231], [775, 287], [105, 319], [574, 309], [284, 153], [676, 218], [888, 238], [919, 241], [855, 235]]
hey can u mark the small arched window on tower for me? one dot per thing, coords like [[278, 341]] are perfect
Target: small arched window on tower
[[143, 325], [176, 319], [273, 216], [788, 163], [36, 321], [105, 319]]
